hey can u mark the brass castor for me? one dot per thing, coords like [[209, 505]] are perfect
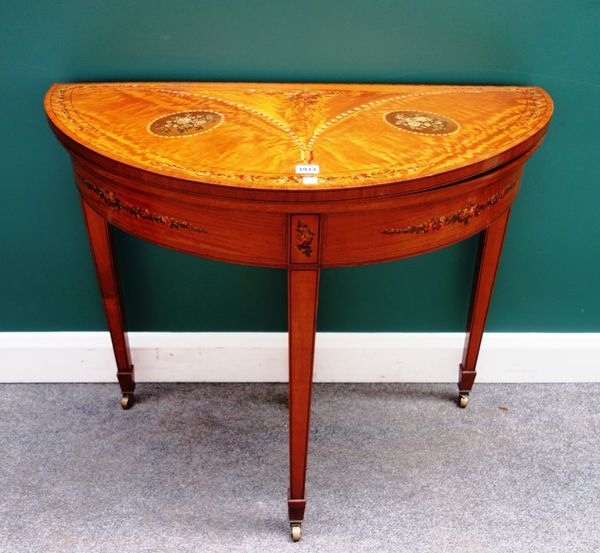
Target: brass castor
[[296, 530], [463, 399], [126, 401]]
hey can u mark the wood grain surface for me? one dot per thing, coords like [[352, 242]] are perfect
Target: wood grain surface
[[210, 169], [253, 135]]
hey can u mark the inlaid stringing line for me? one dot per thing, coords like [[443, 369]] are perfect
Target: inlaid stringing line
[[304, 148]]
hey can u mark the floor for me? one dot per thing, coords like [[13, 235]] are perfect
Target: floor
[[394, 467]]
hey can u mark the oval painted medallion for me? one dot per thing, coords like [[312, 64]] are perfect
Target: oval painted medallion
[[185, 123], [422, 122]]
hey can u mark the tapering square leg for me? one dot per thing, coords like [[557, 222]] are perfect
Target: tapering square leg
[[490, 248], [102, 251], [302, 313]]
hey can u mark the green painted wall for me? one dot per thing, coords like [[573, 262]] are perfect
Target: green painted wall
[[550, 275]]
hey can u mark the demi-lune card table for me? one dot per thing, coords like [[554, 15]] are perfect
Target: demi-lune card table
[[299, 177]]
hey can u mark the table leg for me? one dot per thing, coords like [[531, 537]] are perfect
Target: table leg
[[303, 288], [490, 248], [102, 251]]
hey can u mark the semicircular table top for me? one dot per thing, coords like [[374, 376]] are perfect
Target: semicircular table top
[[255, 135]]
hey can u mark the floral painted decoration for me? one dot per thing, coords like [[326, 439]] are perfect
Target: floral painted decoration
[[112, 201], [421, 122], [463, 215], [304, 238], [185, 123]]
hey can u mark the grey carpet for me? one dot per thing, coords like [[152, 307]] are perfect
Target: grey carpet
[[203, 468]]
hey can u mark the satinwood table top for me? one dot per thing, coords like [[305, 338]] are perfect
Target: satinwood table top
[[256, 135]]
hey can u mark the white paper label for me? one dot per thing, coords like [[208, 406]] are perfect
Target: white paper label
[[307, 169], [310, 180]]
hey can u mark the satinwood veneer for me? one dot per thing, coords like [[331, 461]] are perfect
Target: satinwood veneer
[[301, 177]]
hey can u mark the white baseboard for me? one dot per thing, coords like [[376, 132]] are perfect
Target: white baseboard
[[262, 357]]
